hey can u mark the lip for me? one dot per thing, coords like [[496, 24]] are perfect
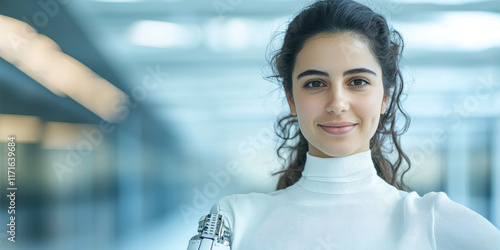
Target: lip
[[338, 128]]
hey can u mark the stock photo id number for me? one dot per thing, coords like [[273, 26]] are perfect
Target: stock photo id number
[[11, 189]]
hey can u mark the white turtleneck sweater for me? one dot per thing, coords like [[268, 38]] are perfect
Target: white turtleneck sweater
[[341, 203]]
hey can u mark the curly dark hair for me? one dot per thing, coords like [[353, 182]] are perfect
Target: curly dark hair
[[386, 44]]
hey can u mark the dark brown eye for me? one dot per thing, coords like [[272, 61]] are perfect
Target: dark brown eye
[[314, 84], [358, 83]]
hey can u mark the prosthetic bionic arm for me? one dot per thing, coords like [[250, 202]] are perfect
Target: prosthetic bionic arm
[[212, 235]]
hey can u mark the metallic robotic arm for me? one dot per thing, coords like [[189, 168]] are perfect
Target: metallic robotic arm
[[212, 235]]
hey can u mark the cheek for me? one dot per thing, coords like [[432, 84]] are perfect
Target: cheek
[[308, 110], [306, 106], [369, 109]]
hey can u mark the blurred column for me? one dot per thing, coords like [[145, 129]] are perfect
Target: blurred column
[[495, 174], [83, 205], [129, 153], [458, 166]]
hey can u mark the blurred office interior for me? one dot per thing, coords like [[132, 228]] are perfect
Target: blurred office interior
[[132, 117]]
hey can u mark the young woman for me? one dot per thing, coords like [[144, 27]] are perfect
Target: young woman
[[339, 68]]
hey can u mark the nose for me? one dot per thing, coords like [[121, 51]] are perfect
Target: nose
[[337, 101]]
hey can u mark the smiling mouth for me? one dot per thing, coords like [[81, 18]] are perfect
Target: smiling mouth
[[338, 130]]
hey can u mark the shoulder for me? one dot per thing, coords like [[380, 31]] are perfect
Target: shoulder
[[432, 200], [236, 207], [457, 226], [225, 203], [229, 205], [428, 199], [230, 202], [438, 204], [443, 206], [414, 203], [450, 224], [226, 206]]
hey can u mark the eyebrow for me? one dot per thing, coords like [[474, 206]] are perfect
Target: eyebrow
[[348, 72]]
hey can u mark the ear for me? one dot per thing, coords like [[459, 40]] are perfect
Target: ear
[[384, 104], [291, 104]]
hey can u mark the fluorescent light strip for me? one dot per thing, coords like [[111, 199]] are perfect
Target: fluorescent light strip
[[468, 31], [163, 34], [41, 58], [25, 129]]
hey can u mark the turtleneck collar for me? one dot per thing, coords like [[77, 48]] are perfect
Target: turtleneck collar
[[342, 175]]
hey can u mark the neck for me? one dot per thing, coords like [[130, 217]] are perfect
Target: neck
[[341, 175]]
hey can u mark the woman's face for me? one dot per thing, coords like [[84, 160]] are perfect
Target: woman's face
[[337, 94]]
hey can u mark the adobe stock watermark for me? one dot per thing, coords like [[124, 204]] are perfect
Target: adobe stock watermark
[[326, 243], [39, 19], [386, 8], [48, 9], [471, 103], [94, 137], [455, 116], [224, 6], [249, 149]]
